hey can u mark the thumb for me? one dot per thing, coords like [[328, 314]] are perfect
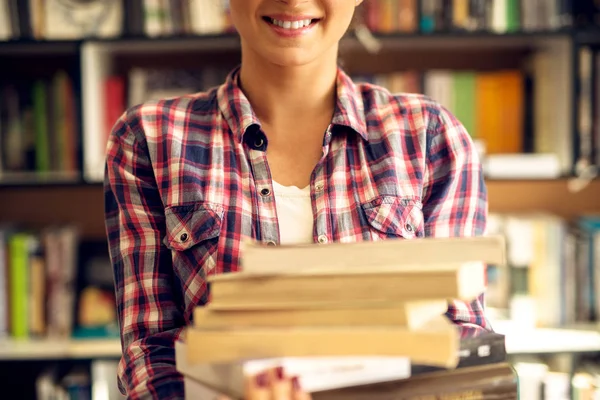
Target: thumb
[[297, 391]]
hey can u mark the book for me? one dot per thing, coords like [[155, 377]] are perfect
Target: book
[[316, 373], [406, 282], [496, 381], [368, 256], [411, 314], [479, 348], [435, 345], [322, 374]]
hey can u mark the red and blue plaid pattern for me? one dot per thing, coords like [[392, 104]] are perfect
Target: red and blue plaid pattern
[[187, 179]]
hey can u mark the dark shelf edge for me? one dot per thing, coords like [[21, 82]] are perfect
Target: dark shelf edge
[[46, 184], [29, 46], [587, 37]]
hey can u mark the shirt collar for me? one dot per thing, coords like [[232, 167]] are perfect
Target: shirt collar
[[237, 111]]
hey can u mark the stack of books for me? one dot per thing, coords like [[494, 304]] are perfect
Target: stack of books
[[340, 316]]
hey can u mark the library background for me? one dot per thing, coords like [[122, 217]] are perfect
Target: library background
[[521, 75]]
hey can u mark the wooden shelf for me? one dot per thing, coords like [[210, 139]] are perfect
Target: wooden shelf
[[230, 41], [59, 349], [544, 195], [520, 340], [39, 206], [34, 47]]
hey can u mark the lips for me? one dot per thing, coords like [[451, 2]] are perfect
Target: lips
[[291, 23]]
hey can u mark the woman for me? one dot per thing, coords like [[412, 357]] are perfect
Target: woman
[[287, 150]]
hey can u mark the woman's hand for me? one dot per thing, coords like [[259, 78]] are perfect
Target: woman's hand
[[273, 384]]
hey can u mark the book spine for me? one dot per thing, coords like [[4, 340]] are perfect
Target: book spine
[[19, 281], [477, 351]]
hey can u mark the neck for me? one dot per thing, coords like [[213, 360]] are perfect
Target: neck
[[281, 95]]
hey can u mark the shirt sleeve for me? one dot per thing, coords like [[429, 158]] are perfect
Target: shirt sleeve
[[149, 318], [455, 201]]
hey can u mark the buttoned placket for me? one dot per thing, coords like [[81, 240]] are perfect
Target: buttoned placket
[[320, 199], [265, 200]]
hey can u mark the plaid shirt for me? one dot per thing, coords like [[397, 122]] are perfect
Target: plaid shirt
[[187, 179]]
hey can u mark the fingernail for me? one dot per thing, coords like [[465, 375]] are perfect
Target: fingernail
[[279, 373], [295, 383], [262, 380]]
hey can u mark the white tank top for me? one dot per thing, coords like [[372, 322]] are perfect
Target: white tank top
[[294, 213]]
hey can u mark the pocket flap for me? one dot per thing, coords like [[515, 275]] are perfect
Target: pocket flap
[[395, 216], [188, 225]]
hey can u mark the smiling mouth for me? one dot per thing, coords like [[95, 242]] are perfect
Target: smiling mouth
[[291, 25]]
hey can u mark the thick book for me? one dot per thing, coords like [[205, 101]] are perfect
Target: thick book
[[321, 374], [411, 314], [367, 256], [481, 348], [400, 283], [436, 344], [485, 382], [316, 373]]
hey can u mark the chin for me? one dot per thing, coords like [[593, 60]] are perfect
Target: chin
[[292, 57]]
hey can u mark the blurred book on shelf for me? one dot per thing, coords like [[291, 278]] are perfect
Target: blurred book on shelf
[[543, 379], [96, 312], [65, 19], [498, 16], [38, 274], [551, 278], [98, 382], [588, 120], [54, 287], [60, 19], [519, 134], [39, 134]]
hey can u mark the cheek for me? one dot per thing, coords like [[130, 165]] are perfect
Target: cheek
[[341, 12], [240, 11]]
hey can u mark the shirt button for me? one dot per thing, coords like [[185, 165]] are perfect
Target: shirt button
[[271, 243], [265, 192], [409, 227], [258, 142], [323, 239], [183, 237], [319, 187]]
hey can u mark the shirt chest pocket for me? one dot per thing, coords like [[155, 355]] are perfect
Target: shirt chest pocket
[[192, 236], [394, 217]]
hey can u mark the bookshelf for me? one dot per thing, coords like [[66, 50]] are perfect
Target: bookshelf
[[41, 200], [13, 350], [532, 341]]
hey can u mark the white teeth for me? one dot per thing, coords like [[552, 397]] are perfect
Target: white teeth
[[291, 24]]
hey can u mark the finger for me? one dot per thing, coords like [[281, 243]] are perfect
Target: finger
[[297, 392], [257, 387], [281, 385]]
